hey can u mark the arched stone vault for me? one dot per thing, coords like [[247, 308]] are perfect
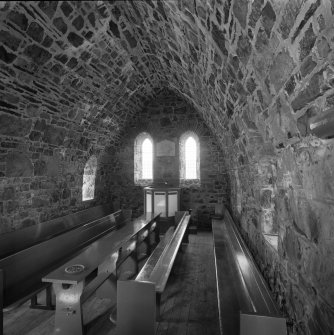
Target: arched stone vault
[[74, 74]]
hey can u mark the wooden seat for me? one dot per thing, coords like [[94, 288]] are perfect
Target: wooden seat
[[103, 256], [155, 271], [23, 269], [243, 296]]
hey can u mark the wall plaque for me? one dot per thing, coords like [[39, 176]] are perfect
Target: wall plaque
[[165, 148]]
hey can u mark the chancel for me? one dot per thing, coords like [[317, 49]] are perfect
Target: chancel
[[167, 167]]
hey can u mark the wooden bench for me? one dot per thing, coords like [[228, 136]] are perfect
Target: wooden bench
[[24, 268], [104, 255], [144, 293], [245, 304]]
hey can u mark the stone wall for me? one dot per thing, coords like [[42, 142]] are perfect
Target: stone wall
[[167, 117], [259, 73]]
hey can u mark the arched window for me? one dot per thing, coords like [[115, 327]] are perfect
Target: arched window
[[88, 183], [147, 159], [189, 158], [143, 159]]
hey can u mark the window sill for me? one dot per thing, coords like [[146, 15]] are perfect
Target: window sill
[[272, 240]]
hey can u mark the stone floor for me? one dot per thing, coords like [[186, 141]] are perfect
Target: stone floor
[[189, 303]]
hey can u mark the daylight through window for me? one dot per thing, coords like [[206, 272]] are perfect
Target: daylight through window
[[147, 159], [190, 158]]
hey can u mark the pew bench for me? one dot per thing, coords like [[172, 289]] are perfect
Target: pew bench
[[24, 266], [72, 281], [146, 290], [245, 304]]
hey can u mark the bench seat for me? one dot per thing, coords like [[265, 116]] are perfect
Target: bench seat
[[164, 257], [244, 300], [144, 293]]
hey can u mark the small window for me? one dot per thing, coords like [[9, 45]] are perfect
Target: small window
[[143, 159], [189, 158], [147, 159], [88, 183]]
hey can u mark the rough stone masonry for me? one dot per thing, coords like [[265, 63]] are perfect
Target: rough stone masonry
[[258, 74]]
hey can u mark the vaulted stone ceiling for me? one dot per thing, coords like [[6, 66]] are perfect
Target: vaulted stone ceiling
[[259, 72], [250, 68]]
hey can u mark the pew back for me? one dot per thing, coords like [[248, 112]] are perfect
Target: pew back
[[24, 269], [13, 242]]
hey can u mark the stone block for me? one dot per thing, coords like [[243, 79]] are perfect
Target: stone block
[[60, 24], [54, 135], [35, 31], [244, 49], [19, 19], [309, 93], [9, 40], [40, 168], [240, 10], [131, 40], [37, 54], [268, 18], [66, 8], [78, 22], [307, 42], [39, 202], [323, 47], [6, 56], [18, 165], [12, 206], [8, 193], [281, 69], [219, 37], [14, 126], [114, 28], [48, 7], [308, 65], [75, 39]]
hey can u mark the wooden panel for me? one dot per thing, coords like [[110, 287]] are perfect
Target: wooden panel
[[160, 203], [172, 203], [148, 202], [253, 324], [135, 308], [24, 238]]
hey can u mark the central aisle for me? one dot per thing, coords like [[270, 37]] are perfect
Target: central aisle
[[189, 304], [188, 307]]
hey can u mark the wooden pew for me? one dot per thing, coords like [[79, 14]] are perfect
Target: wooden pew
[[245, 304], [24, 269], [139, 294], [16, 241], [73, 289]]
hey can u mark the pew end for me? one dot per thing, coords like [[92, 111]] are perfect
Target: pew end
[[136, 308]]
